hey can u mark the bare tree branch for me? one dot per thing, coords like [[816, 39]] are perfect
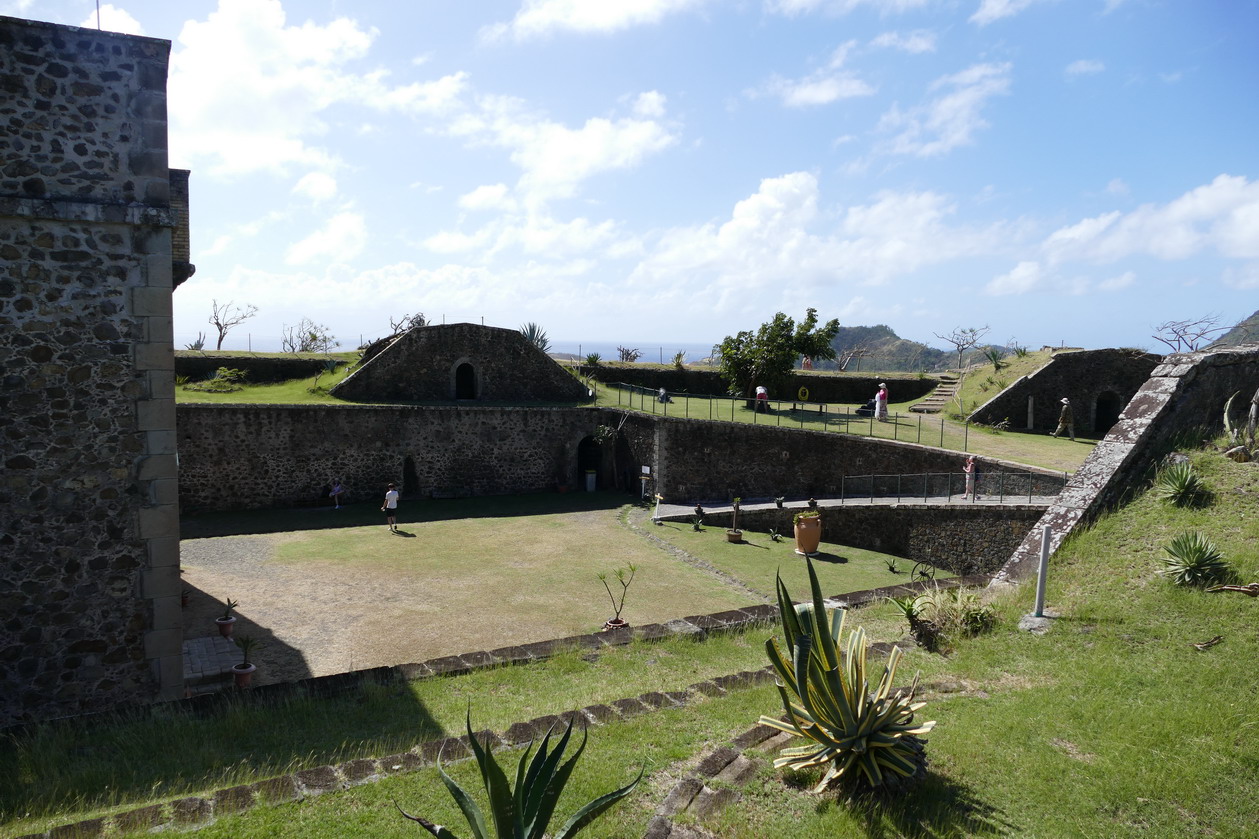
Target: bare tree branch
[[225, 317], [1188, 335]]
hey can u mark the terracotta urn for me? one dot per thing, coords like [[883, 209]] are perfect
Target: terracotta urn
[[225, 625], [808, 535], [243, 674]]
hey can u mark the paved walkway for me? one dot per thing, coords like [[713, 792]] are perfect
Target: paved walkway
[[208, 659]]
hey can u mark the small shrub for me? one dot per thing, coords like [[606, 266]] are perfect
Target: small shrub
[[1178, 484], [1194, 560], [225, 380], [679, 359], [891, 565], [775, 536], [958, 611], [697, 524], [593, 359]]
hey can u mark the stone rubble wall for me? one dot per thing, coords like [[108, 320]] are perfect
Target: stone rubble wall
[[1185, 393], [89, 538]]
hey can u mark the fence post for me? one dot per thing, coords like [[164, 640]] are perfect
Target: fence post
[[926, 478], [919, 440], [896, 425], [843, 480], [1046, 535], [941, 430], [1001, 488], [898, 488], [966, 436]]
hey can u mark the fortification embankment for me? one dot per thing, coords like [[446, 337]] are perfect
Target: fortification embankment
[[1185, 393], [259, 369]]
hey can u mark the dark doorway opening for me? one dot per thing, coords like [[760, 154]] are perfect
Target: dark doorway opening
[[1109, 406], [465, 381], [410, 480], [589, 458]]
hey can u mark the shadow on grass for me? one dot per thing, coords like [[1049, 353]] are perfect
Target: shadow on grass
[[834, 559], [410, 511], [938, 808]]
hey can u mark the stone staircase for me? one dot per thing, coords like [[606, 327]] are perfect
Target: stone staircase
[[939, 398]]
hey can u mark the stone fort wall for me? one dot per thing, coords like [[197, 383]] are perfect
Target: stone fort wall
[[258, 456], [89, 550]]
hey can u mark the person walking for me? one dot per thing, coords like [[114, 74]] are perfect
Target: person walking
[[880, 402], [1066, 420], [390, 508], [338, 490], [969, 469]]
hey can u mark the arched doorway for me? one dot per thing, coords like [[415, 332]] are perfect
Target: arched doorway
[[465, 381], [1109, 405], [589, 457]]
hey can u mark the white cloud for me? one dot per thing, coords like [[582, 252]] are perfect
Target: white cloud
[[1222, 216], [1084, 67], [538, 18], [918, 41], [554, 158], [248, 92], [650, 104], [1117, 187], [770, 242], [317, 186], [952, 118], [113, 19], [1024, 277], [341, 239], [488, 197], [825, 85], [993, 10], [535, 234], [1124, 280]]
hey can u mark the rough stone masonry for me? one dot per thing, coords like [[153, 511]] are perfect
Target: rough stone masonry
[[89, 550]]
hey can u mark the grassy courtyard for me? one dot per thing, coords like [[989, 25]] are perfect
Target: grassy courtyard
[[1112, 724]]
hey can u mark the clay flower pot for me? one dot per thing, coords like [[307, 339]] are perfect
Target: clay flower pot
[[808, 535], [733, 535], [615, 623], [225, 626], [243, 674]]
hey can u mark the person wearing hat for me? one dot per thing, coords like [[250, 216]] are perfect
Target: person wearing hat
[[1066, 420], [880, 402]]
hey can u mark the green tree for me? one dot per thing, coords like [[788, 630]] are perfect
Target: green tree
[[767, 356]]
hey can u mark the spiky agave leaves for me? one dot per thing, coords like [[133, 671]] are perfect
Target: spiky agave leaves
[[1194, 560], [862, 736], [525, 812]]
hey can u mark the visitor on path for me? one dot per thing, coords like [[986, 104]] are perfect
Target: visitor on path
[[338, 490], [664, 396], [762, 400], [390, 508], [880, 402], [1066, 420], [969, 469]]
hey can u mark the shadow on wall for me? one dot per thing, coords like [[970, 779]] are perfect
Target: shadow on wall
[[241, 522]]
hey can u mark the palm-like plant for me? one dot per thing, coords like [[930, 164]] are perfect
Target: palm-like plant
[[863, 737], [535, 335], [1178, 484], [525, 812], [1194, 560]]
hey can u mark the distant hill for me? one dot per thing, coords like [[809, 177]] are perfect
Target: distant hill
[[1246, 332], [883, 350]]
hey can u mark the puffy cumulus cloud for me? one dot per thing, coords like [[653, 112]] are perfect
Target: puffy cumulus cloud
[[773, 237], [534, 234], [317, 186], [554, 158], [821, 87], [341, 238], [538, 18], [1024, 277], [949, 120], [1222, 216], [650, 104], [488, 197], [791, 8], [248, 92], [918, 41], [1084, 67], [994, 10], [113, 19]]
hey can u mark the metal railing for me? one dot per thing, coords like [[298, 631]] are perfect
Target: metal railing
[[998, 486], [912, 428]]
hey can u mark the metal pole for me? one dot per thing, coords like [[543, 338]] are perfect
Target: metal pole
[[843, 480], [941, 430], [966, 436], [1046, 535], [896, 425], [926, 480], [898, 488], [919, 440], [1001, 487]]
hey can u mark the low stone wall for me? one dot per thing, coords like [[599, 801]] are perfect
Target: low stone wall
[[847, 389], [1186, 392], [962, 538], [259, 369]]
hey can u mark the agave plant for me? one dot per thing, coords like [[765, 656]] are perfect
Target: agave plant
[[1180, 485], [864, 738], [525, 812], [1194, 560]]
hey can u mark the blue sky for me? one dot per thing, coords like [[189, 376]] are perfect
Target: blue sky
[[673, 171]]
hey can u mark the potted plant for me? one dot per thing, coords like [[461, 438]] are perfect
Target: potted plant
[[225, 623], [733, 533], [243, 673], [779, 501], [624, 576], [808, 532]]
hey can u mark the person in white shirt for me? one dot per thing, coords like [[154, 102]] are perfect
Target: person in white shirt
[[390, 508]]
